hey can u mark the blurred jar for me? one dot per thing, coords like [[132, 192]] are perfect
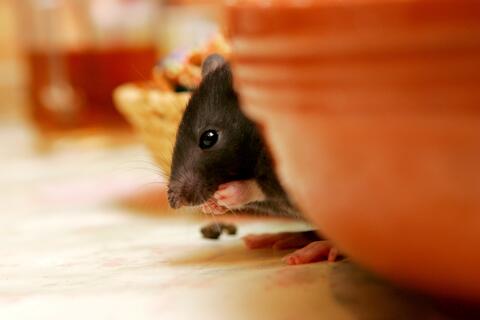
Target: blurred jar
[[78, 51]]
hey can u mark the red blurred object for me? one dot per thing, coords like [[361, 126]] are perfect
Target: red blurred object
[[372, 111], [79, 51], [82, 96]]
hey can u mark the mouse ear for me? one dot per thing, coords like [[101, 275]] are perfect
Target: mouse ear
[[211, 63]]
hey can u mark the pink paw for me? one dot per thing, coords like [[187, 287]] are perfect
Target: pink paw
[[236, 194], [313, 252]]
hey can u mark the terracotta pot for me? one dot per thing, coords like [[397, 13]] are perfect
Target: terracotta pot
[[372, 111]]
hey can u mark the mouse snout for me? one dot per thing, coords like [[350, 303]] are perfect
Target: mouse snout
[[182, 195], [175, 200]]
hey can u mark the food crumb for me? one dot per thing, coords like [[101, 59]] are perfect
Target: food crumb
[[214, 230]]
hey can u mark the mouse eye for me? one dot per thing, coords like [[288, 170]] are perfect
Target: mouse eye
[[208, 139]]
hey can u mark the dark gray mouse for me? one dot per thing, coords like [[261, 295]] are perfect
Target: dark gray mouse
[[216, 144], [221, 163]]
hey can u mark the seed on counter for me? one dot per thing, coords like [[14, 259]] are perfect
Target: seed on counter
[[214, 230], [230, 228]]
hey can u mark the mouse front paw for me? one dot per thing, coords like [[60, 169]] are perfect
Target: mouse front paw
[[236, 194]]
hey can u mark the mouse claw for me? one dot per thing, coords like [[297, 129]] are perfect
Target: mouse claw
[[212, 207]]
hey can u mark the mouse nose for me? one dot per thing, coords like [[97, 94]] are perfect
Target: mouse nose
[[174, 199], [183, 194]]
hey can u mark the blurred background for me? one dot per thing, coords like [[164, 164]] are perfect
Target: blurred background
[[61, 59], [79, 194]]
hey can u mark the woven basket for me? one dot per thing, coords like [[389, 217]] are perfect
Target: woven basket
[[155, 115]]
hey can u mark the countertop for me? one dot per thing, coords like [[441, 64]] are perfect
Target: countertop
[[86, 234]]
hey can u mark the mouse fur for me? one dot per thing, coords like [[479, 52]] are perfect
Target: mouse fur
[[239, 153]]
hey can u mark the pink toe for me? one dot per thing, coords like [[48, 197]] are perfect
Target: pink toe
[[333, 255], [315, 251], [291, 259]]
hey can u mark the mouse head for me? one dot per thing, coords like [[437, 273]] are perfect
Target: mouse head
[[215, 142]]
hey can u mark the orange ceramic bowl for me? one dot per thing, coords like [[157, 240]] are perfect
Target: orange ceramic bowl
[[372, 111]]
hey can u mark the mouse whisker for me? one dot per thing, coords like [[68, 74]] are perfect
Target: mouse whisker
[[159, 182], [210, 212], [223, 204], [141, 164]]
